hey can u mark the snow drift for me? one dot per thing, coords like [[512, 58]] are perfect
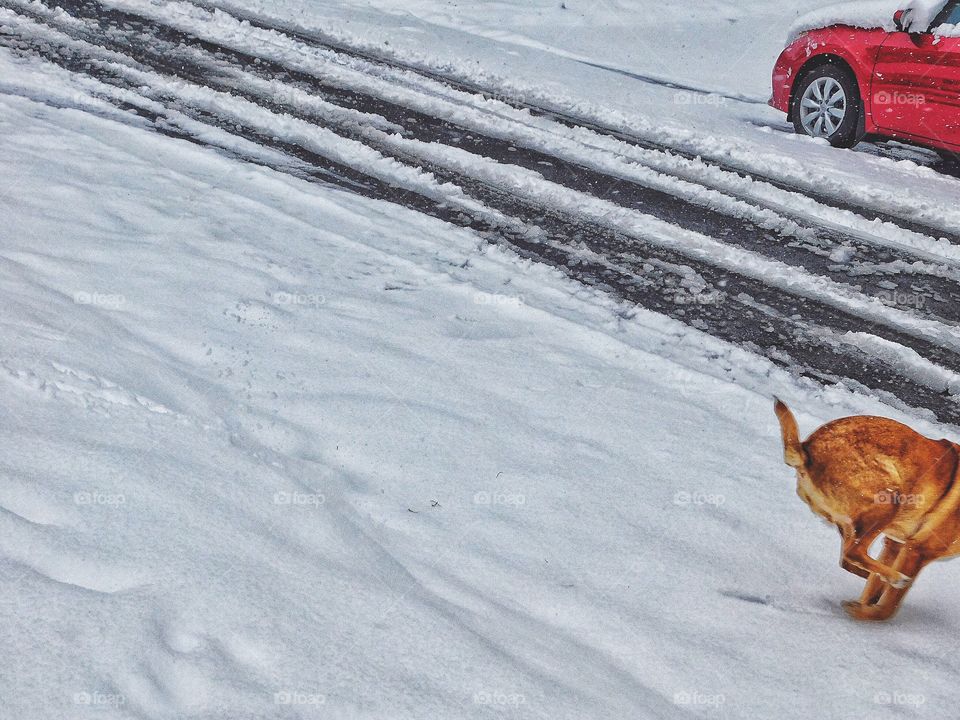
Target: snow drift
[[918, 15]]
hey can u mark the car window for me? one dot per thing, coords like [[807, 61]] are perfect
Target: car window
[[950, 16]]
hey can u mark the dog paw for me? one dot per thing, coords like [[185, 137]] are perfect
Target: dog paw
[[869, 613], [854, 608]]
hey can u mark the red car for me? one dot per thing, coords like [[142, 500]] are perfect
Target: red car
[[843, 83]]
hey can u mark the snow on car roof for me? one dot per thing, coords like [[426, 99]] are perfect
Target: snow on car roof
[[868, 15]]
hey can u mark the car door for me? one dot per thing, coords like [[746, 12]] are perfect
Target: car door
[[915, 90]]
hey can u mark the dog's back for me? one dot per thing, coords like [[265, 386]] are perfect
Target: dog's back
[[871, 467]]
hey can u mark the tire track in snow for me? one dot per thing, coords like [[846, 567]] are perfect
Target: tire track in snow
[[942, 289], [923, 276], [905, 215], [751, 321], [412, 91]]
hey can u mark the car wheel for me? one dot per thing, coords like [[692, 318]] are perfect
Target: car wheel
[[827, 104]]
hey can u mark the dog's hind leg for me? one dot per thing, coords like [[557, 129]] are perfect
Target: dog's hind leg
[[875, 584], [909, 562], [851, 568], [844, 563], [856, 546]]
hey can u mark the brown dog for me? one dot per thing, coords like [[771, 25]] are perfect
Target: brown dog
[[871, 476]]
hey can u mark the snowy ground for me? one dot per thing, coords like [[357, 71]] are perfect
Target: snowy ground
[[718, 46], [272, 450]]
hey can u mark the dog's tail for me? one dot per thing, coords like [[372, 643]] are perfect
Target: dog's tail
[[793, 453]]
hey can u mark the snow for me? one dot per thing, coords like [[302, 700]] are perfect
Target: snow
[[920, 14], [870, 14], [867, 15], [273, 450], [232, 399]]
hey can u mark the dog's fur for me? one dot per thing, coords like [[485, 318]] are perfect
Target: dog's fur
[[871, 476]]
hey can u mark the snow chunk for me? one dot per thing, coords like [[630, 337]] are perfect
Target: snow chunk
[[918, 15]]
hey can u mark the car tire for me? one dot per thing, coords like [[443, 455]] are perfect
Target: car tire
[[829, 77]]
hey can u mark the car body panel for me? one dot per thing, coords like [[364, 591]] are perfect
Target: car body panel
[[916, 88]]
